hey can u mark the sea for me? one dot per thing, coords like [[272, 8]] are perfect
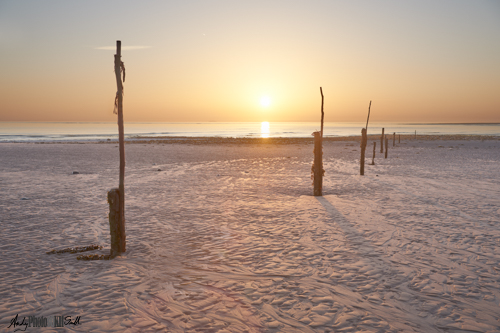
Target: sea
[[106, 131]]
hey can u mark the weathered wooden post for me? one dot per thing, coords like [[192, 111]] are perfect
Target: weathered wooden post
[[322, 114], [374, 146], [364, 140], [317, 167], [399, 138], [382, 141], [394, 139], [386, 144], [114, 221], [363, 148], [116, 197]]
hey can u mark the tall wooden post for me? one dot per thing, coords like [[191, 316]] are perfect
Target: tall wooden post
[[382, 141], [117, 209], [386, 144], [363, 149], [394, 139], [317, 167], [399, 138], [364, 140], [374, 146]]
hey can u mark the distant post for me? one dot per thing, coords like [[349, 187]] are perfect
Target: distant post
[[399, 138], [364, 140], [116, 197], [322, 113], [382, 141], [394, 139], [386, 144], [363, 149], [374, 146]]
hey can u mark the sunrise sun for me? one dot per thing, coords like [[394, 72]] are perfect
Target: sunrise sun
[[265, 101]]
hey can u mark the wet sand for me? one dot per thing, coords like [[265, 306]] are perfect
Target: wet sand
[[225, 236]]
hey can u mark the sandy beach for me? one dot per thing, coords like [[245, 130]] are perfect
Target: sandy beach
[[225, 236]]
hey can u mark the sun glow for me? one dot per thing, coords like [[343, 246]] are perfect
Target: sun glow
[[265, 101], [264, 129]]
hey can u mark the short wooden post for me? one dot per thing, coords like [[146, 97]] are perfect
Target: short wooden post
[[363, 149], [382, 142], [317, 167], [374, 146], [386, 144], [399, 139], [114, 223], [394, 139]]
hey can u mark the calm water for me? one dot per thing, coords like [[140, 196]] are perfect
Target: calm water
[[68, 131]]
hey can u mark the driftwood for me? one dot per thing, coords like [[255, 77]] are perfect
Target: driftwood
[[76, 249]]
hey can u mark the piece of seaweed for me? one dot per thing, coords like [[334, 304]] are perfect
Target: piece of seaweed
[[87, 257]]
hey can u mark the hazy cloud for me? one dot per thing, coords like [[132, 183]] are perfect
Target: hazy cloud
[[127, 48]]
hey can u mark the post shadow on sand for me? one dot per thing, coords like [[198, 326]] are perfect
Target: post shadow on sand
[[405, 315], [351, 233]]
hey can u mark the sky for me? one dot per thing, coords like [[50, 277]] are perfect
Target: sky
[[198, 61]]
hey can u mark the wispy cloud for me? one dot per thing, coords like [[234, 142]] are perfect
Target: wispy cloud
[[126, 48]]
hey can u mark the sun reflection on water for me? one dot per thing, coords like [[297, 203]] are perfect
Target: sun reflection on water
[[264, 129]]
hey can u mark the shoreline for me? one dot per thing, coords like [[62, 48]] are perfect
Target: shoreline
[[274, 140]]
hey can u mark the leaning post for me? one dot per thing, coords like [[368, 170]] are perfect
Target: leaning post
[[322, 113], [364, 140]]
